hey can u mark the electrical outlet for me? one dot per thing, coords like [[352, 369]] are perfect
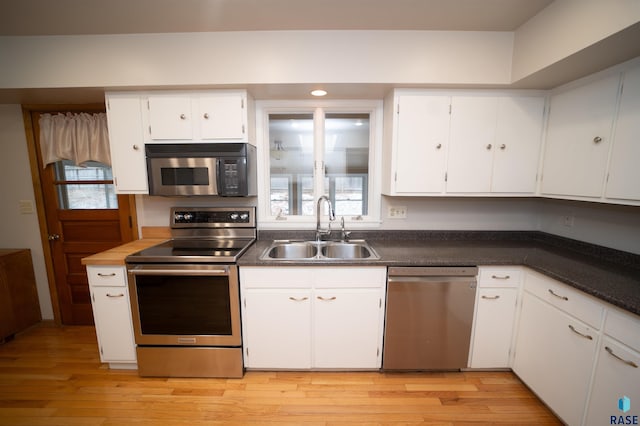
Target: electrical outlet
[[568, 221], [397, 212]]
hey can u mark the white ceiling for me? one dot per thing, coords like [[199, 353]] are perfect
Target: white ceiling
[[73, 17]]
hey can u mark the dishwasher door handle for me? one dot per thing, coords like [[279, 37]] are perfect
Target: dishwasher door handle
[[430, 279]]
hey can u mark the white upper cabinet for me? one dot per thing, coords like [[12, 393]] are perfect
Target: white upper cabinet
[[516, 151], [495, 144], [450, 144], [217, 115], [170, 117], [420, 140], [624, 173], [222, 116], [579, 139], [124, 120], [472, 139]]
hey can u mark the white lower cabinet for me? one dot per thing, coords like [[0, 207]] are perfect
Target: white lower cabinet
[[617, 372], [276, 325], [347, 319], [112, 315], [494, 317], [555, 351], [312, 317]]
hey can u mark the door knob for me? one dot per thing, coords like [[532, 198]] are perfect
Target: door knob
[[53, 237]]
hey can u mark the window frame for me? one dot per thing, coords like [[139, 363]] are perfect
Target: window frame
[[266, 220]]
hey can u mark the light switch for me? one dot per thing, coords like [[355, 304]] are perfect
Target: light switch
[[25, 206]]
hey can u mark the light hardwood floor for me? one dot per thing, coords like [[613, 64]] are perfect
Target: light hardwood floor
[[53, 376]]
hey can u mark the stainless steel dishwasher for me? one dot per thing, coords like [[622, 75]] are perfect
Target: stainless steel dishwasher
[[429, 317]]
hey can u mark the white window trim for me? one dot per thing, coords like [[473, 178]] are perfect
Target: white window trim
[[373, 107]]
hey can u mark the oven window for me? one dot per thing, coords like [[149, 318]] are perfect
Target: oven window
[[184, 305], [172, 176]]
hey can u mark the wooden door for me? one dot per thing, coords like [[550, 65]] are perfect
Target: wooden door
[[83, 216]]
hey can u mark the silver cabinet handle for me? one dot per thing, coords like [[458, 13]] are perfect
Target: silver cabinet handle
[[499, 277], [298, 299], [326, 299], [136, 147], [115, 295], [100, 274], [630, 363], [558, 296], [586, 336], [489, 146], [597, 139], [206, 115], [439, 146], [183, 117], [503, 146], [497, 296]]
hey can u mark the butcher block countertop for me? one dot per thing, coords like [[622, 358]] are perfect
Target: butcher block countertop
[[115, 256]]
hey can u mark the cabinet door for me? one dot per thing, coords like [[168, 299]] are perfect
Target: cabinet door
[[126, 144], [578, 139], [114, 328], [422, 136], [471, 146], [170, 117], [277, 328], [553, 359], [493, 327], [222, 117], [517, 144], [617, 375], [624, 173], [346, 328]]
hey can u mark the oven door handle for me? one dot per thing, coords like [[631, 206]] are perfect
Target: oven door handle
[[197, 270]]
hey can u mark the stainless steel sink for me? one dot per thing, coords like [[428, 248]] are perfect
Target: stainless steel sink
[[288, 250], [346, 250], [319, 250]]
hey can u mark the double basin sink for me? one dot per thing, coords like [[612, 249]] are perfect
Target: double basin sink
[[319, 250]]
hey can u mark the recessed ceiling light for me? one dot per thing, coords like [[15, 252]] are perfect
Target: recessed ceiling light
[[319, 92]]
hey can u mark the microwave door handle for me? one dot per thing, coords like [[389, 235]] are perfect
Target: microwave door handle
[[218, 176]]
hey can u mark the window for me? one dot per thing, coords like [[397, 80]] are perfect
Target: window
[[309, 151], [84, 187]]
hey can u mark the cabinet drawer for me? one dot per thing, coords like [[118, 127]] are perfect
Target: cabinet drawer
[[345, 276], [275, 277], [312, 276], [113, 276], [623, 327], [570, 300], [499, 277]]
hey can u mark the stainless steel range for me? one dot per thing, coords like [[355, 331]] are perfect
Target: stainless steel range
[[185, 297]]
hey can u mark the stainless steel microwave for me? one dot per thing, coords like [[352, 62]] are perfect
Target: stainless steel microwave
[[223, 169]]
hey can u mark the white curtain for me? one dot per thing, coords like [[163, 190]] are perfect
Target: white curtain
[[77, 137]]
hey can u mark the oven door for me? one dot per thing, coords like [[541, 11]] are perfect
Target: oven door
[[185, 305], [182, 176]]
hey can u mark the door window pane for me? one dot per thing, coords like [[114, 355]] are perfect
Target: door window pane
[[85, 187], [291, 164], [346, 156]]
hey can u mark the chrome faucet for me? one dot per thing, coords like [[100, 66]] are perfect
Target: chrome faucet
[[332, 217], [344, 234]]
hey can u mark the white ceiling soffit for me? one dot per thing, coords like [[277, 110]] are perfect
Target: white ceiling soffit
[[76, 17]]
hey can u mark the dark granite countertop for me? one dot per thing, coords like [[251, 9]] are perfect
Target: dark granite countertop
[[610, 275]]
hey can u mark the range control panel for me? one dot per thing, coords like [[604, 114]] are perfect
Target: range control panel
[[212, 217]]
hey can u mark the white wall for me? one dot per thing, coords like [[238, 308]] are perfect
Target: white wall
[[19, 230], [566, 27], [259, 57], [613, 226]]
